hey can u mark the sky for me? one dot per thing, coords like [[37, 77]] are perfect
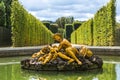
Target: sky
[[52, 9]]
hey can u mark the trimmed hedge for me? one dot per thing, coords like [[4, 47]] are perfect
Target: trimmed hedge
[[7, 14], [101, 30], [54, 28], [76, 25], [47, 24], [68, 30], [5, 36], [74, 37], [83, 35], [104, 25], [2, 14], [117, 35], [26, 29]]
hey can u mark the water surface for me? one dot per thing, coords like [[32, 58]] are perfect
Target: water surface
[[10, 70]]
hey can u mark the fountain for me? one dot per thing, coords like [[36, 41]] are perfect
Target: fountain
[[63, 57]]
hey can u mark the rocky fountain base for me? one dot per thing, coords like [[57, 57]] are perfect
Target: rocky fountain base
[[58, 64]]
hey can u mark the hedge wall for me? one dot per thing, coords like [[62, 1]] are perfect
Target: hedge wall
[[54, 28], [5, 36], [26, 29], [83, 35], [68, 30], [117, 35], [7, 4], [101, 30], [2, 14], [74, 37], [104, 25], [47, 24], [76, 24]]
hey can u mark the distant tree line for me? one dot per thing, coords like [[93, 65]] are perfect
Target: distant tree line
[[63, 25]]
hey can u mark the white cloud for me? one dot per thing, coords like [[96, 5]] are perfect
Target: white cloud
[[52, 9], [118, 18]]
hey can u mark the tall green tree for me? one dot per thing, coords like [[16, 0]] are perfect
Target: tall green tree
[[7, 4], [64, 20], [2, 14]]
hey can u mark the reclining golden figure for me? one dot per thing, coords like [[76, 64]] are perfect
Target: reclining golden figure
[[66, 45], [53, 54], [49, 53]]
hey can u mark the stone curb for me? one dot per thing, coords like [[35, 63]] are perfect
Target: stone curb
[[22, 51], [18, 51]]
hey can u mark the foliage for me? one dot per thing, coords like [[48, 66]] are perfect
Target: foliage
[[47, 24], [104, 25], [76, 24], [83, 35], [2, 14], [68, 31], [5, 36], [54, 28], [26, 29], [100, 31], [117, 34], [61, 31], [7, 14], [64, 20]]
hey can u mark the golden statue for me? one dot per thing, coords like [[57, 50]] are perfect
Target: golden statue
[[43, 51], [53, 54], [85, 52], [66, 45]]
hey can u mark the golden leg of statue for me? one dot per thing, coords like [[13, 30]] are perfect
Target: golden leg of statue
[[70, 53], [65, 57], [47, 59]]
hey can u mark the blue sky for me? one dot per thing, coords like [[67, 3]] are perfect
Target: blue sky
[[53, 9]]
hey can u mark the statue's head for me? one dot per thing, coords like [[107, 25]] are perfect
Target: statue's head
[[57, 37]]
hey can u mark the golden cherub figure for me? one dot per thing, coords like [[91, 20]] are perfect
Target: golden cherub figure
[[85, 52], [43, 51], [53, 54], [66, 45]]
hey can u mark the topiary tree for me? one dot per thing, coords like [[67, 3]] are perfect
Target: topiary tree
[[47, 24], [64, 20], [76, 24], [68, 30], [54, 28]]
